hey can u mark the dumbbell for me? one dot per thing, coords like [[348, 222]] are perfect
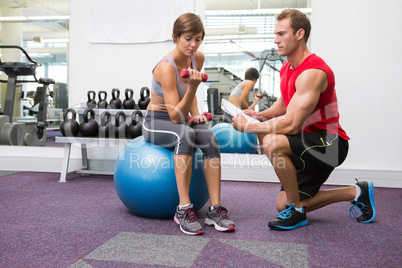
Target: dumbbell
[[258, 95], [185, 73], [190, 119]]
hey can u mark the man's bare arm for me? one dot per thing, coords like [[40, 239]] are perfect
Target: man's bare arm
[[309, 85]]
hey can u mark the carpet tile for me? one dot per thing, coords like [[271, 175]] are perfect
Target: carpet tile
[[83, 223]]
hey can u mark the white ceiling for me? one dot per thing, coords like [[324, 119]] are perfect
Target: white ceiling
[[44, 29], [38, 7], [253, 4], [59, 29]]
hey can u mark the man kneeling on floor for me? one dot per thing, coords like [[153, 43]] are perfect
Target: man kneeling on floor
[[301, 133]]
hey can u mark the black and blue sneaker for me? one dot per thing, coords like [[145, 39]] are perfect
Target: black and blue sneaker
[[289, 219], [365, 203]]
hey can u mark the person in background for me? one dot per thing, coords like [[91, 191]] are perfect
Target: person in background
[[172, 99], [239, 98], [240, 93], [303, 138]]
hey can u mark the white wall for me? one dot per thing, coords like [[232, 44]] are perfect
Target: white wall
[[98, 67], [361, 41]]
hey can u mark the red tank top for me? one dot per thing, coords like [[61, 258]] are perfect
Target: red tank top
[[325, 115]]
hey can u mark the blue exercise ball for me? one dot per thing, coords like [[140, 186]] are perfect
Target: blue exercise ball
[[233, 141], [145, 180]]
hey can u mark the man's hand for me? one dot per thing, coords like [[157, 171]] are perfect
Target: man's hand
[[239, 122], [250, 112], [254, 114]]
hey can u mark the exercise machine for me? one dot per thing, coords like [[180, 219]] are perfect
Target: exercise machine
[[15, 132], [215, 93]]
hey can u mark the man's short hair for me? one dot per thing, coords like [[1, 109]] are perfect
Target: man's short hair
[[298, 20]]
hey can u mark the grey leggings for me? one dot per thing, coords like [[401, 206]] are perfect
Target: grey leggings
[[160, 130]]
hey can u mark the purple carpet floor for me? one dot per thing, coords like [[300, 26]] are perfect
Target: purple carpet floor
[[82, 223], [51, 138]]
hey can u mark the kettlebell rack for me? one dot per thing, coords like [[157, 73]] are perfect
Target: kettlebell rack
[[86, 143]]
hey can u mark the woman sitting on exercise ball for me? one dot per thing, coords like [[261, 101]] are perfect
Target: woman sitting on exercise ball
[[172, 99]]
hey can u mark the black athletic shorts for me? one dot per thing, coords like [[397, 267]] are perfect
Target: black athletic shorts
[[315, 155]]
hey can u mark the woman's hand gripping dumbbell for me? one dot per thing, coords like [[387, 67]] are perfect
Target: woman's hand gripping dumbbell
[[192, 120], [185, 73]]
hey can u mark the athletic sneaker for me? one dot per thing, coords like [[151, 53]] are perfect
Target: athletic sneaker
[[289, 219], [187, 220], [218, 217], [365, 203]]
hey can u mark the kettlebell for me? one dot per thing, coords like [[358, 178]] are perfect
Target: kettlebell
[[102, 103], [91, 103], [144, 100], [135, 128], [106, 128], [69, 127], [129, 102], [120, 126], [115, 102], [89, 127]]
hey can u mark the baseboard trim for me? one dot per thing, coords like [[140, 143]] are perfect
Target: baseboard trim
[[235, 167], [257, 168]]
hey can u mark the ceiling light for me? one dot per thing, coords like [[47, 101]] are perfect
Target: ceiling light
[[55, 40], [33, 18], [48, 17], [18, 3], [12, 19], [252, 12]]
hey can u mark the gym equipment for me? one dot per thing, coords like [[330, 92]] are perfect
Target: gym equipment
[[60, 95], [40, 99], [144, 100], [186, 73], [102, 103], [89, 127], [135, 128], [233, 141], [120, 125], [217, 92], [128, 102], [91, 103], [115, 102], [190, 119], [10, 134], [106, 128], [145, 181], [26, 133], [21, 133], [69, 127]]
